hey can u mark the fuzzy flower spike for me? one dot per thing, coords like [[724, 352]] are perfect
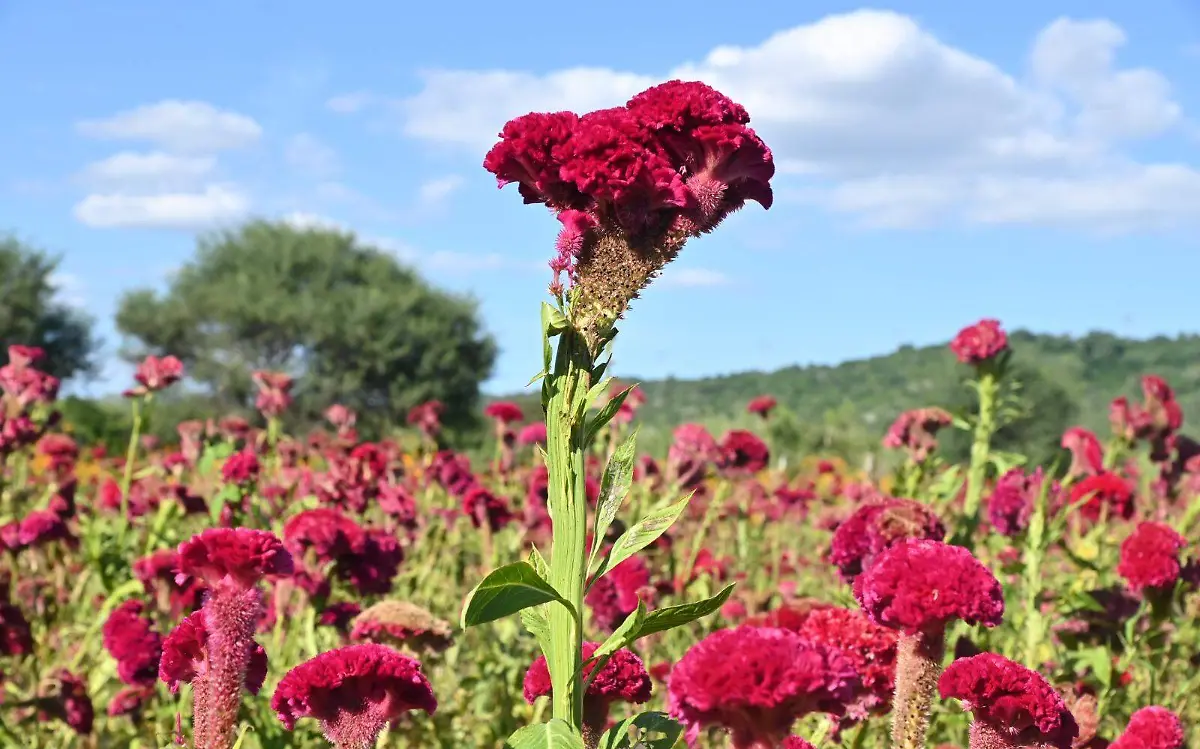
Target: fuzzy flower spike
[[631, 184], [231, 561], [918, 587], [354, 692], [1012, 707]]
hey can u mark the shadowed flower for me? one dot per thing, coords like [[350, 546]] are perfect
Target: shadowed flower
[[486, 508], [71, 703], [1150, 557], [615, 596], [326, 531], [1011, 502], [1152, 727], [401, 623], [870, 647], [132, 642], [1012, 707], [372, 570], [129, 701], [427, 417], [623, 679], [916, 431], [756, 682], [42, 527], [979, 343], [354, 692], [878, 526], [15, 635]]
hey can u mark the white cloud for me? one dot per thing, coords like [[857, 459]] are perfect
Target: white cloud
[[350, 103], [154, 171], [304, 220], [872, 115], [69, 289], [435, 191], [181, 210], [306, 153], [693, 277], [180, 126]]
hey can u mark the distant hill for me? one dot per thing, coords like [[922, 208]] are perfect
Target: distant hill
[[849, 406]]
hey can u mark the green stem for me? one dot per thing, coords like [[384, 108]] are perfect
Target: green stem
[[566, 440], [135, 436], [985, 427]]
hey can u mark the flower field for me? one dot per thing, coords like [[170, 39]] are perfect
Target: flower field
[[246, 587]]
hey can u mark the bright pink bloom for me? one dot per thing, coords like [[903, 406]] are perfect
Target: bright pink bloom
[[1150, 557], [623, 678], [1087, 456], [242, 555], [330, 534], [1152, 727], [919, 586], [506, 412], [756, 683], [155, 374], [185, 656], [241, 468], [869, 646], [354, 692], [616, 595], [532, 434], [878, 526], [1010, 504], [979, 343]]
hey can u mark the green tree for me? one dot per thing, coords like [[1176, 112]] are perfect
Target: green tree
[[32, 315], [347, 320]]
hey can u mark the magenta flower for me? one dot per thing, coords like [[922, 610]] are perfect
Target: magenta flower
[[505, 412], [1152, 727], [876, 527], [616, 595], [532, 434], [274, 393], [743, 453], [623, 679], [1150, 558], [980, 343], [401, 622], [762, 406], [131, 640], [354, 692], [155, 374]]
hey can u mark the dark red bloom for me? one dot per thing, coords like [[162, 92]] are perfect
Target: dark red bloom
[[530, 152], [878, 526], [15, 636], [240, 554], [1087, 456], [42, 527], [1106, 494], [1009, 702], [919, 586], [185, 656], [795, 742], [129, 701], [979, 343], [1150, 557], [869, 646], [1011, 502], [158, 571], [756, 682], [354, 692], [743, 453], [71, 704], [242, 467], [326, 531], [1152, 727], [131, 640], [372, 570], [615, 596], [761, 405], [505, 412], [484, 507], [623, 679], [339, 615]]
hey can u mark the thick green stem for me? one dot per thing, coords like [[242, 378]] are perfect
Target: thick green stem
[[566, 440], [985, 427]]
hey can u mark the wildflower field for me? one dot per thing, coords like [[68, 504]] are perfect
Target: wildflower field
[[247, 587]]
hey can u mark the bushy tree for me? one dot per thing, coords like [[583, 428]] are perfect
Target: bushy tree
[[32, 314], [350, 322]]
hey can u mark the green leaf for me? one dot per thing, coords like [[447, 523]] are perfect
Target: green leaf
[[557, 734], [647, 725], [645, 532], [670, 617], [623, 635], [536, 619], [553, 320], [536, 377], [505, 591], [614, 486], [607, 411]]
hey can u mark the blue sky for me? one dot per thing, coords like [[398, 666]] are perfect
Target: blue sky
[[938, 162]]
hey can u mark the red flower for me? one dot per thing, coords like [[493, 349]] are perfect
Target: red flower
[[795, 742], [1010, 504], [1010, 704], [875, 527], [743, 453], [185, 656], [1152, 727], [790, 615], [615, 596], [372, 570], [427, 417], [505, 412], [133, 643], [482, 506], [155, 374], [870, 647], [1105, 494], [529, 153], [623, 679], [916, 431], [15, 635], [242, 555], [1150, 557], [330, 534], [979, 343], [919, 586], [532, 434], [1087, 456], [756, 682], [353, 692], [241, 468], [42, 527], [761, 405], [71, 704], [129, 701]]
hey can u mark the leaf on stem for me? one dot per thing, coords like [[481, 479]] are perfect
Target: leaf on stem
[[507, 590], [654, 730], [557, 734], [606, 413], [614, 487], [643, 533]]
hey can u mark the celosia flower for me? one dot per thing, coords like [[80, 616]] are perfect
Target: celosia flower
[[761, 405], [485, 508], [1012, 706], [185, 656], [354, 692], [16, 637], [129, 701], [427, 417], [242, 555], [743, 453], [916, 431], [401, 622], [131, 640], [795, 742], [1010, 504], [1087, 456], [241, 468], [615, 596], [870, 647], [157, 573], [756, 683], [1106, 494], [1150, 557], [692, 450], [154, 374], [623, 679], [1152, 727], [878, 526], [919, 586], [330, 534], [372, 570], [980, 343], [71, 703], [505, 412], [790, 615], [274, 393], [532, 434], [42, 527]]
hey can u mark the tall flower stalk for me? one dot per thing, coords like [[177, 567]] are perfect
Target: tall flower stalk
[[630, 185]]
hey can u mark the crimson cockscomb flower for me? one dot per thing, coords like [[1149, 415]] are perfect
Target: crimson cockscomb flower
[[1152, 727], [129, 701], [154, 374], [790, 615], [231, 561], [622, 679], [979, 343], [878, 526], [326, 531], [274, 393], [130, 639], [353, 692], [185, 658], [1103, 495], [915, 432], [532, 434], [795, 742], [373, 568], [400, 623], [70, 704], [157, 572], [242, 467], [505, 412], [918, 587], [43, 527], [616, 595], [756, 682], [762, 406], [869, 646], [1150, 558], [484, 507], [1011, 502], [743, 453], [1012, 707], [16, 638], [1087, 455]]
